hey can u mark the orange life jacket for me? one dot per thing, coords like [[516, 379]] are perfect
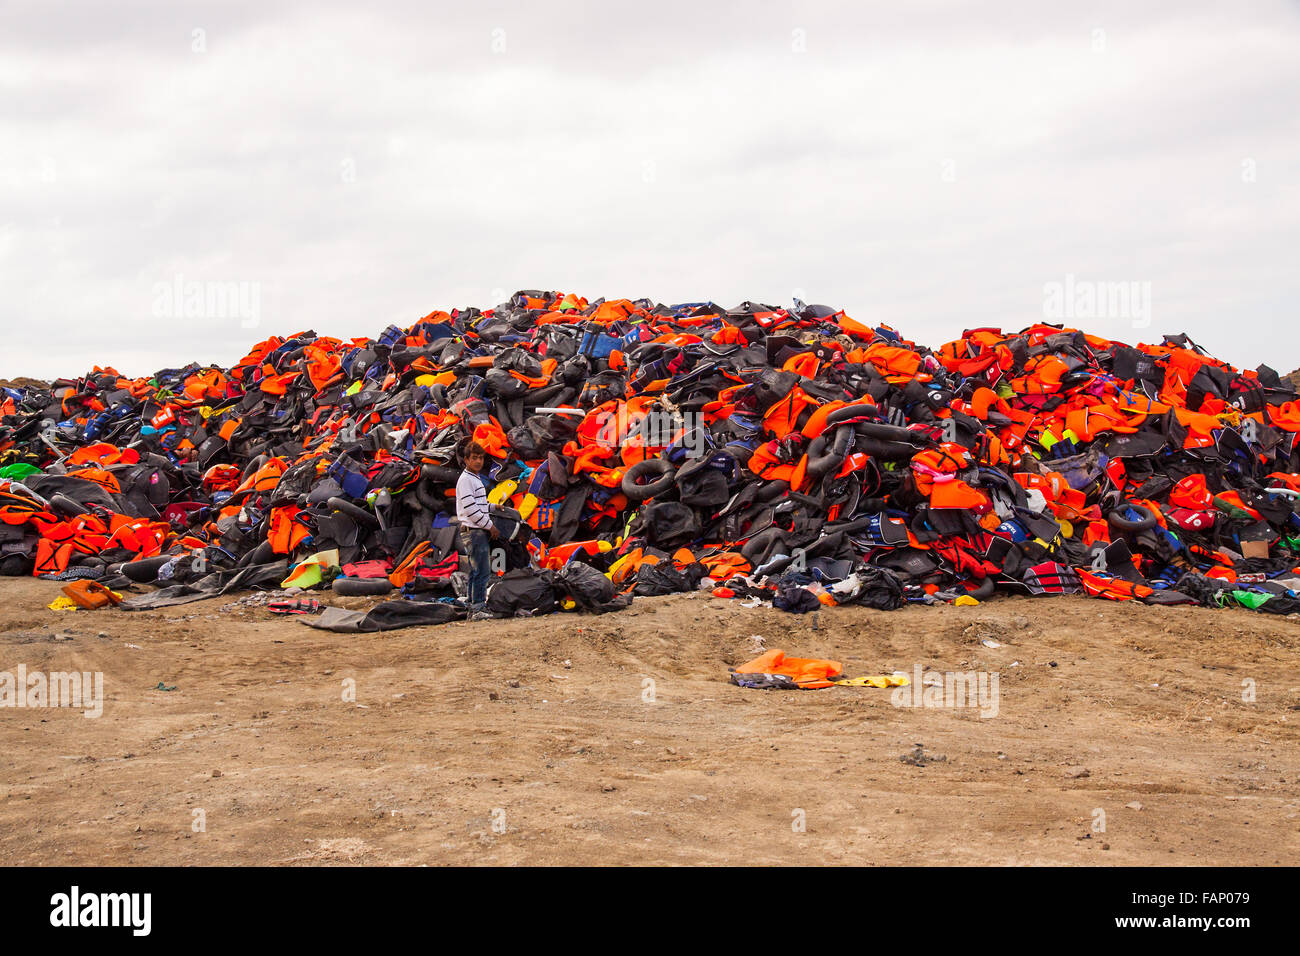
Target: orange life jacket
[[808, 673], [1113, 589], [286, 533]]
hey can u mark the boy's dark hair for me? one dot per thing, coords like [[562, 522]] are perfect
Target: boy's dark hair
[[474, 448]]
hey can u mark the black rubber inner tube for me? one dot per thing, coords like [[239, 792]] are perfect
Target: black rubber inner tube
[[252, 467], [427, 497], [890, 433], [827, 544], [353, 587], [67, 506], [757, 549], [851, 413], [440, 474], [636, 491], [985, 589], [857, 524], [884, 450], [542, 397], [259, 555], [144, 571], [828, 451], [355, 512], [1145, 521]]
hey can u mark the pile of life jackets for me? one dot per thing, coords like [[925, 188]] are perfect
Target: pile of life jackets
[[793, 454]]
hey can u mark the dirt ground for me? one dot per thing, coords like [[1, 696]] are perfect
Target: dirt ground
[[538, 741]]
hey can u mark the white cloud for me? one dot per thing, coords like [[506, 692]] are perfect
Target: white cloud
[[929, 166]]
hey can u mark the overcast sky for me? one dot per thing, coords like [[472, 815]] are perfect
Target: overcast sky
[[931, 165]]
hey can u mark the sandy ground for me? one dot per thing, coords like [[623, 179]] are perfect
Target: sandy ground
[[533, 741]]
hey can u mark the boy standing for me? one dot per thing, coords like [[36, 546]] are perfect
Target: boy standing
[[476, 525]]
